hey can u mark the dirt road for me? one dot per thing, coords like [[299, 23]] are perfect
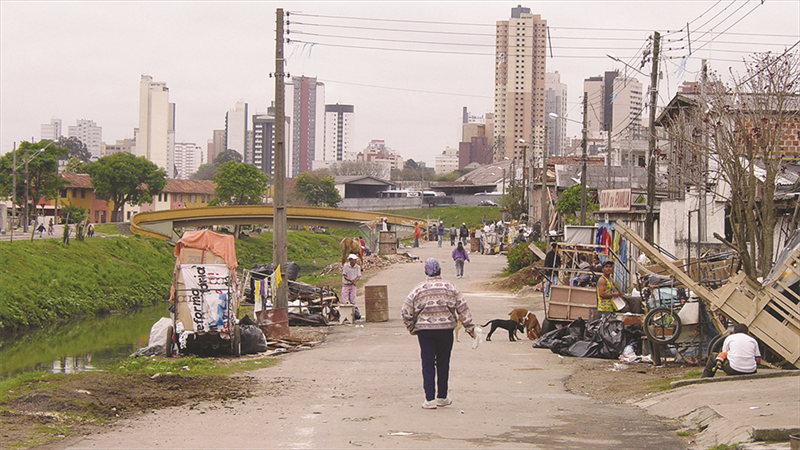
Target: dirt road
[[363, 388]]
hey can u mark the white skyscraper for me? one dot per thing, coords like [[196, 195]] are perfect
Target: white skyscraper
[[615, 100], [90, 134], [236, 131], [339, 133], [155, 139], [188, 157], [555, 102], [51, 131]]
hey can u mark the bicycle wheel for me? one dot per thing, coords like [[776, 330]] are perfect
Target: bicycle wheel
[[662, 325]]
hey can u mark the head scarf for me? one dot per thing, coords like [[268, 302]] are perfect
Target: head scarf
[[432, 267]]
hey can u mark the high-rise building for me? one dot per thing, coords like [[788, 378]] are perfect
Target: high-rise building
[[305, 104], [339, 133], [216, 145], [188, 157], [446, 162], [555, 103], [90, 134], [51, 131], [614, 101], [378, 152], [124, 145], [155, 139], [475, 140], [264, 143], [236, 130], [519, 96]]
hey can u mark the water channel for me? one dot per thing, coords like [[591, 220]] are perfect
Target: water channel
[[79, 345]]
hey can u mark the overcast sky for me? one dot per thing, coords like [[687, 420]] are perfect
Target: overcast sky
[[84, 60]]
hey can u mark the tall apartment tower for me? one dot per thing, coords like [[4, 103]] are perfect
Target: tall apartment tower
[[216, 145], [236, 130], [51, 131], [264, 143], [519, 81], [305, 104], [156, 137], [614, 100], [90, 134], [338, 145], [555, 102], [188, 158]]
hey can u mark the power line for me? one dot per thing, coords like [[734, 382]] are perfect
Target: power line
[[392, 20], [404, 89], [732, 25]]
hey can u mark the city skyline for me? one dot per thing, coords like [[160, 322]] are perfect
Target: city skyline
[[203, 51]]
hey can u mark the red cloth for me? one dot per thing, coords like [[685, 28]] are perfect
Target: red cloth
[[219, 244]]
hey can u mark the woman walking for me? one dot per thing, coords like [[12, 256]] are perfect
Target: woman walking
[[459, 256]]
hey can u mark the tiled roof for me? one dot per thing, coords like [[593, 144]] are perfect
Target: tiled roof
[[173, 186], [77, 180]]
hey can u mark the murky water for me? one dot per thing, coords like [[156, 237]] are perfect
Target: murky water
[[79, 345]]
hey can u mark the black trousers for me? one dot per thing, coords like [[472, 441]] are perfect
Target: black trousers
[[434, 349]]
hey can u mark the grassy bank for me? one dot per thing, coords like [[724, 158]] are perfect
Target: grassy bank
[[470, 215], [45, 281]]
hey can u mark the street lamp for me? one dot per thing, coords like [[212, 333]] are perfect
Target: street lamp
[[583, 157]]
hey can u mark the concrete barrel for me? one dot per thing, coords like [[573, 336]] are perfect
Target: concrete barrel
[[376, 299]]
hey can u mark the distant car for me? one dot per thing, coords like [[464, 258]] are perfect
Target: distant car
[[487, 203]]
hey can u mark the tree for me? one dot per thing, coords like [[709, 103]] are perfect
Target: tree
[[317, 189], [204, 172], [239, 183], [208, 170], [569, 202], [350, 168], [227, 155], [42, 178], [75, 148], [729, 137], [512, 200], [123, 178]]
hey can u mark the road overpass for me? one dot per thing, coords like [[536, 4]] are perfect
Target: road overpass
[[163, 224]]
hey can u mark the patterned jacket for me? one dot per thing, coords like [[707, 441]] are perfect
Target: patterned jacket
[[436, 304]]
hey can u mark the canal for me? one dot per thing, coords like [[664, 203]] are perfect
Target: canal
[[79, 345]]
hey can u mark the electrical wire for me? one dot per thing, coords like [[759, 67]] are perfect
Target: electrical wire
[[732, 25], [403, 89]]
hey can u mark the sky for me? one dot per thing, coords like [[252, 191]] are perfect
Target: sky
[[408, 74]]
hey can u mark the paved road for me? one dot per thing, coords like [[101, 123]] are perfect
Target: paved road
[[363, 388]]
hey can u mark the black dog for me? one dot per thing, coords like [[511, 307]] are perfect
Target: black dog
[[511, 325]]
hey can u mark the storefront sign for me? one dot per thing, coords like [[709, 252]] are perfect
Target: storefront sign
[[615, 200]]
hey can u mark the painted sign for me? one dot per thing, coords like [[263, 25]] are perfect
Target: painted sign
[[615, 200]]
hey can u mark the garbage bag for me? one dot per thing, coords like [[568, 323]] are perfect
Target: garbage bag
[[292, 270], [604, 338], [572, 333], [253, 340]]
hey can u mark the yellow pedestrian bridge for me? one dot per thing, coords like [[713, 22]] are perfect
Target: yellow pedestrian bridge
[[163, 224]]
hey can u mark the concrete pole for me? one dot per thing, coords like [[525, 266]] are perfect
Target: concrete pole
[[279, 195], [585, 145], [649, 232]]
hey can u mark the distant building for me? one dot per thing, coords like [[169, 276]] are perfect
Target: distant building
[[615, 104], [51, 131], [519, 93], [216, 145], [125, 145], [264, 143], [339, 133], [236, 130], [305, 104], [90, 134], [188, 158], [446, 162], [555, 103], [475, 145], [377, 151], [155, 139]]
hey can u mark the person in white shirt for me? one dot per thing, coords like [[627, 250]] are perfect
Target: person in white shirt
[[351, 273], [739, 356]]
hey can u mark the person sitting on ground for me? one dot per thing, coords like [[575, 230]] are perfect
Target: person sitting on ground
[[739, 355], [582, 278]]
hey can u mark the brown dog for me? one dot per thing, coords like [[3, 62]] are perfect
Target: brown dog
[[528, 319]]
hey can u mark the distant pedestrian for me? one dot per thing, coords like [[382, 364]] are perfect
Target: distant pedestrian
[[431, 312], [90, 230], [417, 234], [463, 233], [351, 273], [50, 228], [453, 234], [440, 232], [40, 229], [459, 256]]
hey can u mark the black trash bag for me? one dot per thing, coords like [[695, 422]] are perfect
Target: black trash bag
[[246, 320], [292, 270], [603, 338], [572, 333], [356, 313], [253, 340]]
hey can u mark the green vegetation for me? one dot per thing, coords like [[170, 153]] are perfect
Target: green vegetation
[[520, 257], [664, 384], [189, 365], [471, 215], [44, 281]]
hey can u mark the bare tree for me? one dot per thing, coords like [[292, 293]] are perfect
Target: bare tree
[[733, 136]]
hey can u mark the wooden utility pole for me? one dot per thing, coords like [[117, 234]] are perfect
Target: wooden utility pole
[[279, 246], [649, 234], [14, 188], [545, 199], [585, 145]]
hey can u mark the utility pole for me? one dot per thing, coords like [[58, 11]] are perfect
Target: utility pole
[[585, 145], [545, 199], [649, 234], [25, 206], [14, 189], [608, 151], [279, 246]]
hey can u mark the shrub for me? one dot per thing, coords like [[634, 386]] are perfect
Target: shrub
[[519, 257]]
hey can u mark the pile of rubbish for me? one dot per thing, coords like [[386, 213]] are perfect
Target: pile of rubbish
[[605, 338]]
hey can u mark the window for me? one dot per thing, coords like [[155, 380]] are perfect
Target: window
[[83, 193]]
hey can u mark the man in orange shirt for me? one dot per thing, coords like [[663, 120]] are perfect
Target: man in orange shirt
[[417, 234]]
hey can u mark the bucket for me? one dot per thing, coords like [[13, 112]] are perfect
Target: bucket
[[376, 299], [794, 441]]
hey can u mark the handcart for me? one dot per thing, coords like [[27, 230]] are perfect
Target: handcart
[[204, 295]]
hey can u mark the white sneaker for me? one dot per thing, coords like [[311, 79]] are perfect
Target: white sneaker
[[444, 401], [429, 404]]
